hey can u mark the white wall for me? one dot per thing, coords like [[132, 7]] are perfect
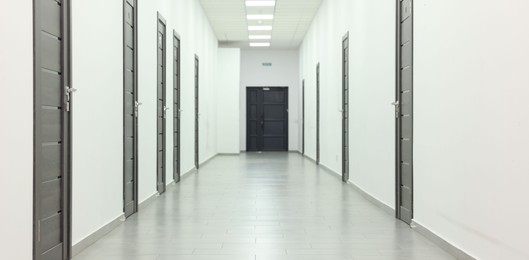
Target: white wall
[[372, 89], [471, 125], [228, 105], [196, 39], [98, 120], [16, 132], [283, 73], [97, 56]]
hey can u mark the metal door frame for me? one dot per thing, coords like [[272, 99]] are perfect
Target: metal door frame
[[197, 111], [303, 117], [160, 19], [135, 89], [318, 113], [398, 174], [176, 108], [345, 108], [66, 128]]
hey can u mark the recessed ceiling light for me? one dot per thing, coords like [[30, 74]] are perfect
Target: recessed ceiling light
[[260, 37], [260, 28], [260, 3], [259, 44], [260, 16]]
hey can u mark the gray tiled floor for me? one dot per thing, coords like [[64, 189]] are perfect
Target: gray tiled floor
[[269, 206]]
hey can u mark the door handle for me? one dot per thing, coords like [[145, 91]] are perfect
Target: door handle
[[68, 96], [136, 106], [397, 108]]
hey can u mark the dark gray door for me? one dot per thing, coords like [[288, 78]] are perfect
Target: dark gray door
[[130, 109], [52, 122], [345, 108], [267, 119], [197, 112], [404, 111], [318, 113], [161, 104], [176, 107], [303, 117]]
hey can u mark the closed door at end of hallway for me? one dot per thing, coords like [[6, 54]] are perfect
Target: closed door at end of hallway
[[267, 119]]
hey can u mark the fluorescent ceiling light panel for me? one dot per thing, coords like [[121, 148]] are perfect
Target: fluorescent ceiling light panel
[[260, 3], [260, 28], [260, 16], [260, 37], [259, 44]]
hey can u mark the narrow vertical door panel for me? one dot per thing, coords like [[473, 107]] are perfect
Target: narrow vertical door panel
[[404, 111], [176, 107], [161, 105], [130, 109], [318, 113], [52, 117], [345, 108], [267, 119], [197, 112], [303, 117]]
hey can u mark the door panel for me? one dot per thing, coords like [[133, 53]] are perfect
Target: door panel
[[404, 112], [345, 108], [197, 112], [161, 105], [52, 150], [303, 117], [176, 107], [130, 109], [318, 113], [267, 119]]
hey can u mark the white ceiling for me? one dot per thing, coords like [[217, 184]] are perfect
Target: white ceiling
[[292, 19]]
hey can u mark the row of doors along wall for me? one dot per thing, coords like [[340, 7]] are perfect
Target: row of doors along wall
[[52, 122], [52, 130], [267, 119]]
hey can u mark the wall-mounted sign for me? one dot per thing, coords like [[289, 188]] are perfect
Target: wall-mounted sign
[[267, 64]]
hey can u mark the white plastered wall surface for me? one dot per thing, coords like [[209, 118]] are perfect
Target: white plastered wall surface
[[98, 103], [371, 27], [472, 124], [283, 73], [16, 130], [197, 39]]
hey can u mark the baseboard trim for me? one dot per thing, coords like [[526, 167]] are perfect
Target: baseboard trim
[[439, 241], [310, 158], [207, 160], [188, 173], [148, 201], [372, 199], [98, 234], [362, 192], [228, 154]]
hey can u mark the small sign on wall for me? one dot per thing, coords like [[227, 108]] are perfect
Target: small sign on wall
[[267, 64]]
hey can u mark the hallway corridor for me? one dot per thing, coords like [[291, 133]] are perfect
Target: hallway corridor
[[260, 206]]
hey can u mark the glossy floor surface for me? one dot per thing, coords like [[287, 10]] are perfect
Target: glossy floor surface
[[262, 206]]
